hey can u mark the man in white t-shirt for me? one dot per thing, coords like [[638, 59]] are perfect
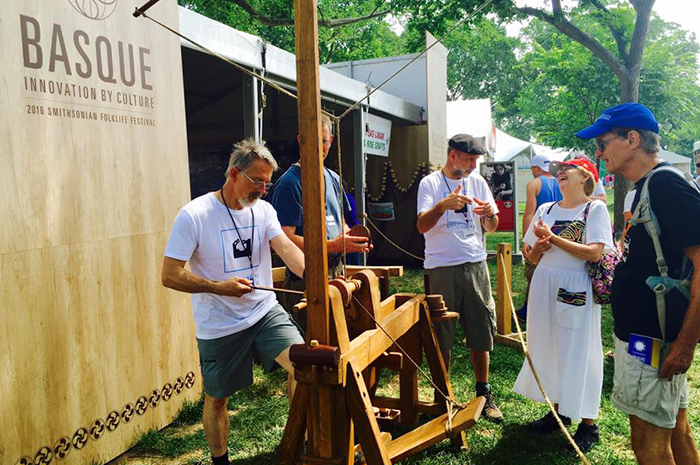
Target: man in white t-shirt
[[225, 236], [455, 206]]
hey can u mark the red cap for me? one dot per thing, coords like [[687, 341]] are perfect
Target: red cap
[[583, 162]]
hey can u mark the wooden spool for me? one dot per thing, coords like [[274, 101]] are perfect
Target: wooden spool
[[435, 301], [361, 230]]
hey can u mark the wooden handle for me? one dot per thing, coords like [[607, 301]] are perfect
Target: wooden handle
[[319, 354]]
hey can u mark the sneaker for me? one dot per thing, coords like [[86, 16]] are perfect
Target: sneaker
[[548, 424], [586, 436], [491, 412]]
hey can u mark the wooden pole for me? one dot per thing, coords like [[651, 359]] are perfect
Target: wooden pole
[[313, 198], [504, 299], [503, 302], [321, 431]]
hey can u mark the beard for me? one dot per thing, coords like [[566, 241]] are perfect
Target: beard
[[250, 200]]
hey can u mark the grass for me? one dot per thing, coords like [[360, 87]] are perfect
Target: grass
[[258, 414]]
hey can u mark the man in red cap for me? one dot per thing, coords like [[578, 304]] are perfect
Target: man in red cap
[[653, 320]]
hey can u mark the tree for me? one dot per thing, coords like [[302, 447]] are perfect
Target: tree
[[625, 61], [482, 63]]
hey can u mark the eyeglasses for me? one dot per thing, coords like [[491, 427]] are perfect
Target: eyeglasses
[[258, 184], [603, 144]]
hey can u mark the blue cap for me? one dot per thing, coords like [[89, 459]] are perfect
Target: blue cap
[[627, 115]]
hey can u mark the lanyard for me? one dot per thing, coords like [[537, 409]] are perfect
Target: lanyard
[[449, 189], [252, 232]]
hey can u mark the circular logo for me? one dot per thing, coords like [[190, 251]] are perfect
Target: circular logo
[[128, 412], [97, 429], [112, 420], [80, 438], [179, 383], [154, 398], [167, 391], [62, 448], [189, 380], [94, 9], [44, 456], [141, 405]]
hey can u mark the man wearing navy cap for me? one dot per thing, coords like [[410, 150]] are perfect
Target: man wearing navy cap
[[455, 206], [654, 397]]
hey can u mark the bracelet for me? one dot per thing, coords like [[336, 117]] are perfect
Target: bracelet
[[490, 217]]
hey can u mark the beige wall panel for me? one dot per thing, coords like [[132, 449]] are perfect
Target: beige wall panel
[[436, 83], [68, 179], [86, 207], [87, 336]]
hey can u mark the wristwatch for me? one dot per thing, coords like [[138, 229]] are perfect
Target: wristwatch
[[490, 217]]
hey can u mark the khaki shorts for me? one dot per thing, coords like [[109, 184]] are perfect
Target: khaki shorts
[[227, 362], [466, 289], [638, 390]]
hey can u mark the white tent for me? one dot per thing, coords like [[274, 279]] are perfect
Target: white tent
[[509, 148], [471, 117], [679, 161]]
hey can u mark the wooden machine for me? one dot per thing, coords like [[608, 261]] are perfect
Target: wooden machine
[[351, 333], [335, 396]]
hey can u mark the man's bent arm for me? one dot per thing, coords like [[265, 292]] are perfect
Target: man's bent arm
[[335, 245], [290, 253], [530, 203], [682, 349], [290, 232], [176, 276], [429, 218]]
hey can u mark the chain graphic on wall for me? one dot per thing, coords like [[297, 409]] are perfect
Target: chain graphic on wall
[[99, 427]]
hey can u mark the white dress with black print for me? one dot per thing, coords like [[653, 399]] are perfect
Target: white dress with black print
[[563, 321]]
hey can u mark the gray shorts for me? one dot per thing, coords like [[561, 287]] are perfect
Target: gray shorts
[[466, 289], [227, 362], [638, 390]]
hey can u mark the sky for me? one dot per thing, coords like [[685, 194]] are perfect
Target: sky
[[684, 12]]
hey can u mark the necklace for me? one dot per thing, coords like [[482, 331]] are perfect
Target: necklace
[[252, 234]]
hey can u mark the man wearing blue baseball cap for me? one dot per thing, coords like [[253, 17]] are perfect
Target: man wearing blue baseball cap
[[655, 331]]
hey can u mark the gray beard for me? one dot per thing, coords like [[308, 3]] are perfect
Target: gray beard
[[250, 200]]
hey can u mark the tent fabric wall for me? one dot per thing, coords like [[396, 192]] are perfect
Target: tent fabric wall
[[402, 230]]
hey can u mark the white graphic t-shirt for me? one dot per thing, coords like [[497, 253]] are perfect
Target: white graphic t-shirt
[[204, 235], [457, 237]]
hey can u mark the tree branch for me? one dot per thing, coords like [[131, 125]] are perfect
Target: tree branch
[[558, 20], [323, 22], [641, 27], [617, 33]]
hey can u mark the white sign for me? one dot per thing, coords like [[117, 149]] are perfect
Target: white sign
[[377, 132]]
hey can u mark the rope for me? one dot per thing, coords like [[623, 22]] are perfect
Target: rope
[[437, 41], [523, 344], [420, 370], [241, 68], [341, 199], [390, 241]]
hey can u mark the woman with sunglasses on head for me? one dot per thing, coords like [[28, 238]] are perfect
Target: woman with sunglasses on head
[[563, 321]]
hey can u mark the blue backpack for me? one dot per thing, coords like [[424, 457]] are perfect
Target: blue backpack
[[662, 284]]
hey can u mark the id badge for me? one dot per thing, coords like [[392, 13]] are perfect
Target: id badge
[[645, 349]]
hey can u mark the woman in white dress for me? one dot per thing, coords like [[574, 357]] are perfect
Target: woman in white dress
[[563, 321]]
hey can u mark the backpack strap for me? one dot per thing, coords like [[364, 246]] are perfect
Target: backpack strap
[[662, 284]]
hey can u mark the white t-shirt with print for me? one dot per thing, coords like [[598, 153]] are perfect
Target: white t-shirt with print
[[597, 230], [204, 236], [457, 237]]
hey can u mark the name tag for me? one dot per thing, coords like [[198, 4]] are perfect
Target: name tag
[[645, 349]]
